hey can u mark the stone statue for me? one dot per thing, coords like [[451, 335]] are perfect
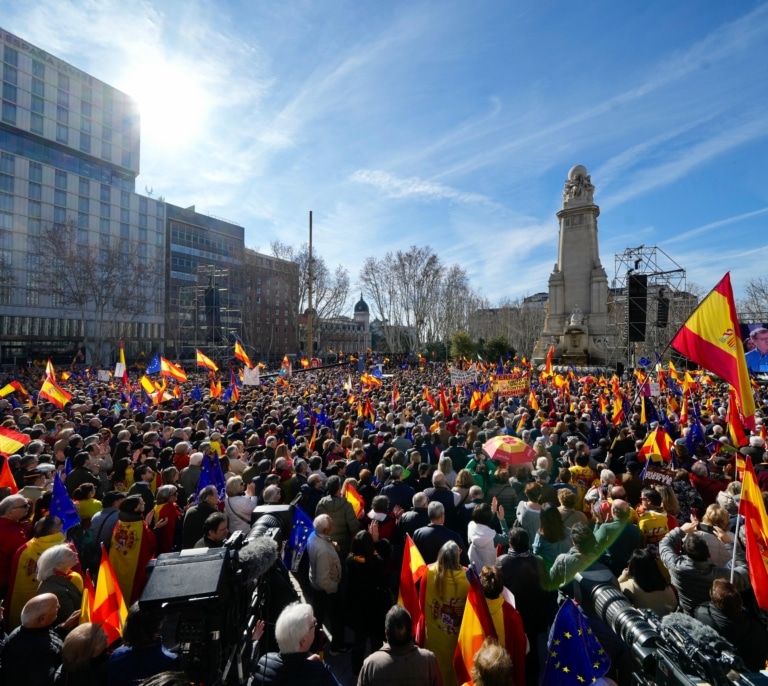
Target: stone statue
[[577, 317], [578, 185]]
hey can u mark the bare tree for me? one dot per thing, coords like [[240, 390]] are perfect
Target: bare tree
[[109, 285], [377, 278], [330, 288], [754, 306]]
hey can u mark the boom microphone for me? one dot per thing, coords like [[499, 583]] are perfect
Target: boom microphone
[[257, 556]]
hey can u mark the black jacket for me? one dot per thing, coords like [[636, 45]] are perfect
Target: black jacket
[[30, 657], [748, 636], [292, 669]]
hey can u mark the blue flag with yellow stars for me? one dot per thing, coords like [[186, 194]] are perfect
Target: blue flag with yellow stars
[[574, 655], [297, 542], [62, 506]]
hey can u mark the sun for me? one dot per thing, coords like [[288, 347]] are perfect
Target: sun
[[172, 102]]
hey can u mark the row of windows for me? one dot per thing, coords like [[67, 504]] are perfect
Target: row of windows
[[195, 240], [18, 144], [51, 327]]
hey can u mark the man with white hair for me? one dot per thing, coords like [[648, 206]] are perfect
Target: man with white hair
[[294, 664], [190, 475], [324, 578]]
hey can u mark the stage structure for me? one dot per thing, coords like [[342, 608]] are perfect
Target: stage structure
[[648, 301]]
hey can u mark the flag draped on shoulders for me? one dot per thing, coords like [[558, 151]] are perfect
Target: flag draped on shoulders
[[23, 582], [751, 507], [476, 626], [133, 546], [710, 338]]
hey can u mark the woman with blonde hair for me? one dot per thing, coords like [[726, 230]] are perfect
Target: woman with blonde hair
[[443, 596], [464, 481], [671, 504], [84, 657], [445, 465], [714, 516]]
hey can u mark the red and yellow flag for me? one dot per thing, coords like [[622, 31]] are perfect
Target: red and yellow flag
[[313, 438], [86, 604], [710, 337], [108, 606], [735, 429], [53, 393], [428, 397], [548, 363], [476, 625], [6, 478], [354, 498], [11, 441], [50, 372], [168, 368], [12, 388], [241, 355], [412, 571], [133, 546], [204, 361], [658, 442], [751, 507], [533, 402]]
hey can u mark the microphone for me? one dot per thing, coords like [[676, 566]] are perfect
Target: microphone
[[257, 556]]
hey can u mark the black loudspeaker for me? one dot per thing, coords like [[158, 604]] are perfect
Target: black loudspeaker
[[619, 369], [638, 304], [662, 310]]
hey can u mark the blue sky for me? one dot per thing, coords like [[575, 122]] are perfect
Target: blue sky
[[447, 123]]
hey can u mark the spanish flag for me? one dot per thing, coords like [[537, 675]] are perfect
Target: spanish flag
[[148, 385], [108, 607], [12, 388], [533, 402], [50, 372], [133, 546], [241, 355], [710, 337], [216, 388], [658, 442], [548, 363], [735, 429], [428, 397], [354, 498], [756, 529], [53, 393], [11, 441], [203, 361], [6, 477], [168, 368], [412, 571], [476, 625]]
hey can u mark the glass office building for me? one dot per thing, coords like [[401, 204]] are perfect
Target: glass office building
[[69, 155]]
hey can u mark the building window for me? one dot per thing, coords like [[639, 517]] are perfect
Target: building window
[[9, 113], [6, 184], [105, 209], [34, 209], [85, 125], [38, 69], [59, 215], [84, 186], [125, 230], [62, 133], [125, 200], [85, 108], [82, 236], [7, 163], [106, 151], [6, 220], [36, 172], [159, 224], [35, 191], [142, 204], [83, 204], [60, 180], [105, 194], [36, 123], [63, 81], [106, 134], [104, 225], [125, 158], [38, 104], [9, 92], [62, 115], [10, 75], [38, 88], [85, 142], [125, 215], [33, 227], [143, 221], [142, 234], [82, 220], [60, 197], [11, 56]]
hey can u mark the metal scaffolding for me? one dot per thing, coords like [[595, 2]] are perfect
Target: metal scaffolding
[[206, 318], [666, 280]]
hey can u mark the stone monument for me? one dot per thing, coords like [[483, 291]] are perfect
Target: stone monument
[[577, 309]]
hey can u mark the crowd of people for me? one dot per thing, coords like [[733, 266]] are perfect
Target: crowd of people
[[140, 478]]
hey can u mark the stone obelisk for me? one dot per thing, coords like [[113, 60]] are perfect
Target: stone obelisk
[[577, 309]]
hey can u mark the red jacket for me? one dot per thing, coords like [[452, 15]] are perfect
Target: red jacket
[[13, 535]]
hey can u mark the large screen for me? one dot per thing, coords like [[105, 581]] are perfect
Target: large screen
[[755, 338]]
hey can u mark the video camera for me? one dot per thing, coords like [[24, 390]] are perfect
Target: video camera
[[211, 598], [677, 650]]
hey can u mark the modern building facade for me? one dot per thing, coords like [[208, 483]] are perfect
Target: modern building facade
[[69, 158], [204, 283], [270, 305]]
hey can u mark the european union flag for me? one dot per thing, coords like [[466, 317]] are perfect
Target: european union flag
[[62, 506], [196, 394], [297, 541], [154, 367], [574, 655], [376, 371]]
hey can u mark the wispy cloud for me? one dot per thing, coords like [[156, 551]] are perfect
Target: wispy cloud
[[706, 228], [413, 187]]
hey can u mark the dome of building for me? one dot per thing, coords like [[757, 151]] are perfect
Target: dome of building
[[361, 305]]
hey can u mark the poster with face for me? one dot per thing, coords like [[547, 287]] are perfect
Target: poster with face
[[755, 338]]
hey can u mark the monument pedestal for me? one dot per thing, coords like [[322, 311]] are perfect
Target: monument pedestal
[[577, 280]]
